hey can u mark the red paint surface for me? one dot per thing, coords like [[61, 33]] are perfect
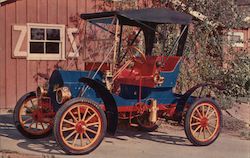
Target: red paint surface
[[161, 107], [144, 73]]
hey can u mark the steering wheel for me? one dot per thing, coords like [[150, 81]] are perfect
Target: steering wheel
[[133, 57]]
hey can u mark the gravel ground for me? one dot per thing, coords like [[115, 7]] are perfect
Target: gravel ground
[[169, 140]]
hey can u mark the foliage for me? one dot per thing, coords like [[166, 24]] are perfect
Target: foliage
[[208, 56], [237, 76]]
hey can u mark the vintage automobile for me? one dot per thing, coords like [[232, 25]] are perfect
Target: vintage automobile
[[137, 86]]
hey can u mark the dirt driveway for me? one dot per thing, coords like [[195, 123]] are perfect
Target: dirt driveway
[[127, 143]]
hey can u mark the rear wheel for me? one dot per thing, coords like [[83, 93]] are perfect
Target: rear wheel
[[80, 126], [203, 122], [29, 117]]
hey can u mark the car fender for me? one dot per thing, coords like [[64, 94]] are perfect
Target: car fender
[[108, 100], [184, 98]]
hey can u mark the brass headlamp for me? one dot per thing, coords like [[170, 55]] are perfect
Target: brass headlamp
[[62, 95]]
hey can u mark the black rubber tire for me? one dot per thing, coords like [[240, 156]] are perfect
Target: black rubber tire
[[58, 118], [187, 129], [17, 121]]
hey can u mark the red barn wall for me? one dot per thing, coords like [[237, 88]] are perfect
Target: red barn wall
[[18, 76]]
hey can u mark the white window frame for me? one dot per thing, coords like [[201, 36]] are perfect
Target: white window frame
[[236, 33], [38, 56]]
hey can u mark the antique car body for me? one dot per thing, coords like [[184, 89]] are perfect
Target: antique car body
[[83, 105]]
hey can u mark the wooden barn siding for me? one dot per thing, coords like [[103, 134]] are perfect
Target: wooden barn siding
[[18, 76], [10, 73], [2, 57], [21, 66]]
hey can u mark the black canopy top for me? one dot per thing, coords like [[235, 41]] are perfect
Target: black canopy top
[[147, 19], [151, 16]]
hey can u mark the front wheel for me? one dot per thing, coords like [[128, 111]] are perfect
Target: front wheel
[[30, 117], [80, 126], [203, 122]]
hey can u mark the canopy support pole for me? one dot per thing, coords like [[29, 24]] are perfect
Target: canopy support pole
[[120, 42], [178, 39], [115, 45], [130, 44]]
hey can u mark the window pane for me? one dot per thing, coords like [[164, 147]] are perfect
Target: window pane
[[52, 48], [235, 39], [37, 34], [37, 47], [53, 34]]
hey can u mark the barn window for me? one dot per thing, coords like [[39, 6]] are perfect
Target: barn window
[[236, 39], [46, 42]]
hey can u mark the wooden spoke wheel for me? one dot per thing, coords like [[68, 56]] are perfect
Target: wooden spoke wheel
[[145, 124], [80, 126], [29, 117], [203, 122]]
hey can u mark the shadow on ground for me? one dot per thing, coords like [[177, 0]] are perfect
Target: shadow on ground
[[49, 146]]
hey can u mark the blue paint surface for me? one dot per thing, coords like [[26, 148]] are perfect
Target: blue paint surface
[[128, 95]]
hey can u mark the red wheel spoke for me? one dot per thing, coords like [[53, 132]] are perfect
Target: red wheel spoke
[[81, 137], [87, 136], [28, 108], [32, 103], [208, 109], [69, 122], [68, 129], [90, 130], [204, 133], [212, 119], [93, 115], [203, 111], [209, 131], [201, 129], [197, 128], [75, 139], [196, 118], [29, 119], [79, 113], [92, 124], [196, 123], [212, 126], [85, 114], [31, 123], [70, 135], [72, 115], [199, 113], [42, 125], [210, 114]]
